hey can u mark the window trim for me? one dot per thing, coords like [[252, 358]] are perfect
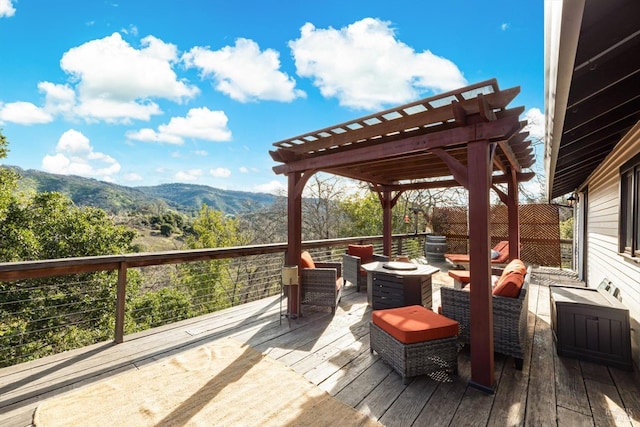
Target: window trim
[[628, 229]]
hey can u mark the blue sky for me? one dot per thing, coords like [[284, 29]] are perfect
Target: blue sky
[[144, 92]]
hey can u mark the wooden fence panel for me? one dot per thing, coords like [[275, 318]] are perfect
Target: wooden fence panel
[[539, 231]]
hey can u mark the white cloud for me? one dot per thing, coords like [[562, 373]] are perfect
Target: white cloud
[[220, 172], [131, 30], [243, 72], [364, 66], [59, 99], [6, 9], [189, 175], [113, 111], [201, 153], [272, 187], [244, 169], [24, 113], [75, 156], [133, 177], [535, 123], [200, 123], [149, 135], [116, 81]]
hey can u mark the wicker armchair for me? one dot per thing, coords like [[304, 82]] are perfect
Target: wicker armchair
[[352, 262], [321, 283], [510, 317]]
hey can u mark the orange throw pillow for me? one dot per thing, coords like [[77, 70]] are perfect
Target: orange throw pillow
[[306, 261], [365, 252], [511, 281], [515, 266]]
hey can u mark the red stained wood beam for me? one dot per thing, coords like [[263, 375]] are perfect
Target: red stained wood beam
[[294, 237], [499, 129], [458, 170], [481, 310], [328, 137], [486, 112]]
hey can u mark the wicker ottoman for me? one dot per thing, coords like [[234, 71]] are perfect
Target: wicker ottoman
[[414, 340]]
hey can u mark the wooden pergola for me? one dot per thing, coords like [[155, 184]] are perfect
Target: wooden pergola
[[467, 137]]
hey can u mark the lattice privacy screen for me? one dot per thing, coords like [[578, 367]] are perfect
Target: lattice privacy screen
[[539, 231]]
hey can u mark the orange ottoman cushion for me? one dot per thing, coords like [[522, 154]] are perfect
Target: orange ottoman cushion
[[414, 323]]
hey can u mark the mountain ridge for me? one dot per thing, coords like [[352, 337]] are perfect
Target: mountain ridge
[[116, 198]]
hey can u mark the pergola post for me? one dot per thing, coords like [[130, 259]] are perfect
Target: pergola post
[[513, 213], [387, 223], [294, 236], [481, 310]]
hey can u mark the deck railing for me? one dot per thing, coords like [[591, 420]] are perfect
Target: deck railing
[[50, 306]]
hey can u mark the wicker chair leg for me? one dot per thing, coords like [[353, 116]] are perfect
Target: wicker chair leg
[[519, 363]]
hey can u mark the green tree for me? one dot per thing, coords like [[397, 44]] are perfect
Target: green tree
[[166, 230], [566, 228], [160, 307], [209, 282], [8, 178], [43, 316], [363, 215]]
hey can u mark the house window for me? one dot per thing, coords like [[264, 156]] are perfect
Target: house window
[[629, 208]]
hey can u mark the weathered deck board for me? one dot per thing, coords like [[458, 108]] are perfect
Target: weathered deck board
[[606, 404], [541, 400], [509, 405], [627, 385], [332, 351], [406, 408], [570, 391], [567, 417], [443, 403]]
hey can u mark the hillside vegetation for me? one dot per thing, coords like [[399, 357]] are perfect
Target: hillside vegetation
[[118, 199]]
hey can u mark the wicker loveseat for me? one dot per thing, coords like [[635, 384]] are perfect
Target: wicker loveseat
[[352, 264], [321, 282], [510, 313]]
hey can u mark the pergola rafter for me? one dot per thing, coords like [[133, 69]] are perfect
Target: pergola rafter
[[467, 137]]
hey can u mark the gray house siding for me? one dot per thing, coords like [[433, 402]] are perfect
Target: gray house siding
[[604, 261]]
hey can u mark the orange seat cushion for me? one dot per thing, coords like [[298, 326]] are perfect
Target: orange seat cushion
[[306, 261], [364, 252], [414, 323], [502, 247], [462, 275], [510, 282], [457, 257]]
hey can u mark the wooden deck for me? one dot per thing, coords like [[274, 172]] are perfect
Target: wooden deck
[[332, 351]]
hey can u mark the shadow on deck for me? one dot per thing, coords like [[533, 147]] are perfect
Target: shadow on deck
[[333, 353]]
